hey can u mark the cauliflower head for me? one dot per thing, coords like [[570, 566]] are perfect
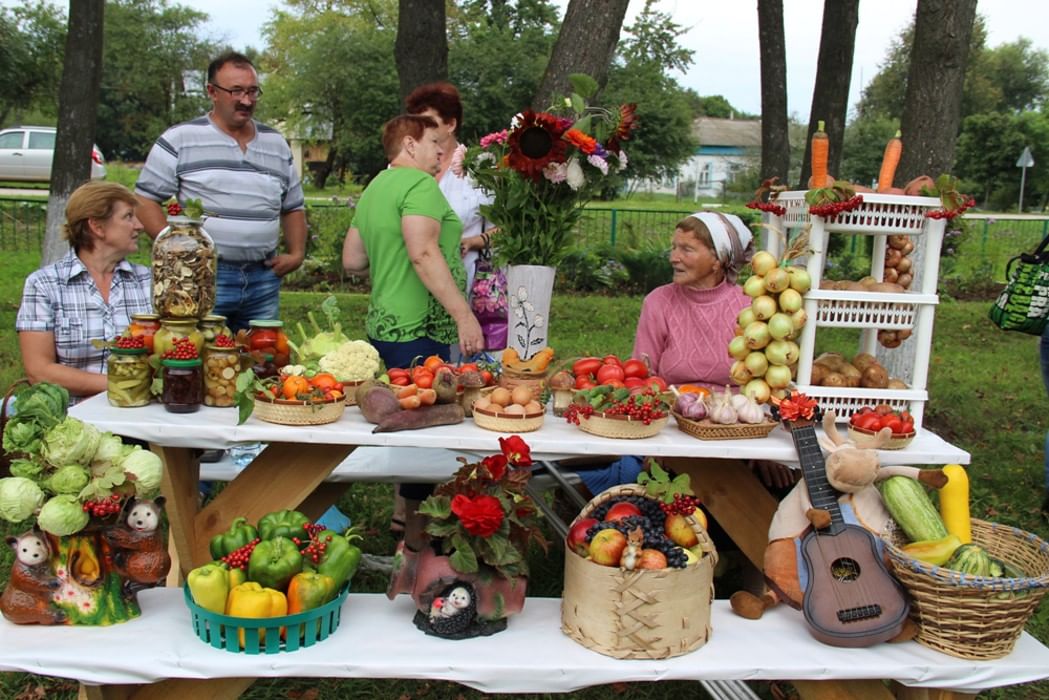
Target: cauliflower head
[[352, 361]]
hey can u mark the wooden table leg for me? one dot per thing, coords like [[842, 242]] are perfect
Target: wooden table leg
[[211, 688], [906, 692], [842, 690]]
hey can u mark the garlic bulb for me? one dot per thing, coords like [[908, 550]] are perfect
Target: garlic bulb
[[749, 410], [721, 410]]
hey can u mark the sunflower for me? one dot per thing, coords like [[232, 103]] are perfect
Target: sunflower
[[625, 126], [535, 143]]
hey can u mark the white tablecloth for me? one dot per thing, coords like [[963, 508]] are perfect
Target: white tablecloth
[[532, 655]]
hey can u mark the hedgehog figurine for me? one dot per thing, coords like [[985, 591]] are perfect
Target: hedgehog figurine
[[452, 612]]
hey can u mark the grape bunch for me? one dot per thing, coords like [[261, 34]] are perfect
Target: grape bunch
[[650, 508], [238, 558], [181, 349], [224, 341], [103, 507], [130, 342], [831, 209]]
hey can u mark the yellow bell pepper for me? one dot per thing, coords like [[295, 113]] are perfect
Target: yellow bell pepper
[[253, 601], [209, 586]]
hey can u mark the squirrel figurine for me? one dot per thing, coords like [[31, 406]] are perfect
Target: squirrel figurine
[[31, 587], [635, 540], [140, 551]]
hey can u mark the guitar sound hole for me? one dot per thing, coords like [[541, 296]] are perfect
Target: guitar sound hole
[[845, 569]]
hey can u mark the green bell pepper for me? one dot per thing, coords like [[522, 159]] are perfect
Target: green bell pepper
[[209, 586], [339, 560], [274, 562], [239, 534], [284, 523]]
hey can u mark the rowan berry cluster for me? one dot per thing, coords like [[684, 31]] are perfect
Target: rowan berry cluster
[[832, 209], [130, 342], [224, 341], [681, 505], [951, 213], [314, 551], [103, 506], [174, 209], [770, 207], [181, 349], [238, 558]]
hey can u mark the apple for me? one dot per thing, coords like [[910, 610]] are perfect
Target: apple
[[679, 531], [691, 557], [576, 539], [620, 510], [651, 559], [606, 548]]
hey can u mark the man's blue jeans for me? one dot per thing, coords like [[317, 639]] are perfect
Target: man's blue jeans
[[246, 291]]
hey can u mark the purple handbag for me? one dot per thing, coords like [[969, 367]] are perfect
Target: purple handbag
[[489, 300]]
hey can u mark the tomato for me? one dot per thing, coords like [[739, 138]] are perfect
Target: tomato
[[883, 409], [469, 367], [433, 362], [281, 344], [396, 372], [612, 360], [609, 373], [635, 368], [631, 382], [488, 377], [866, 421], [585, 366], [658, 383], [894, 423], [906, 416], [293, 386], [324, 381], [424, 378], [584, 381], [401, 380], [907, 426], [263, 338], [334, 394]]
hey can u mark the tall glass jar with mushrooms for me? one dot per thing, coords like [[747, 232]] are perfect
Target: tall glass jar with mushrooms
[[184, 269]]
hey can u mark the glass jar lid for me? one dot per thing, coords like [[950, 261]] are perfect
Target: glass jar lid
[[213, 318], [178, 321], [128, 351], [265, 323], [195, 362], [145, 317]]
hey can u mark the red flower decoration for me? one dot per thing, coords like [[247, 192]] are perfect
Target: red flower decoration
[[496, 465], [480, 516], [797, 406], [516, 450], [586, 144], [536, 143]]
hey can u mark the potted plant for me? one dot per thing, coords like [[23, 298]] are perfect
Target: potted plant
[[475, 572]]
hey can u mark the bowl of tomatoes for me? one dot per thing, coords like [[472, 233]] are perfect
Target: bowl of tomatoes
[[294, 399], [865, 424]]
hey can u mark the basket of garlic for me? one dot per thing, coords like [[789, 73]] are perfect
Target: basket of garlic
[[724, 416]]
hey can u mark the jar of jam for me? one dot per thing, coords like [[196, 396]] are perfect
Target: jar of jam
[[184, 268], [173, 328], [213, 325], [128, 377], [183, 385], [221, 366], [144, 325], [266, 337]]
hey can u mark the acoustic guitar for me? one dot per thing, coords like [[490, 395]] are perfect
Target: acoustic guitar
[[851, 599]]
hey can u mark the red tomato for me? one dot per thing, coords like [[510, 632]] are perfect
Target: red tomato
[[262, 338], [585, 366], [396, 373], [659, 382], [631, 382], [583, 381], [609, 373], [894, 423], [281, 343], [907, 426], [324, 381], [867, 421], [424, 378], [635, 368], [468, 367], [488, 377], [401, 380], [612, 360], [433, 362]]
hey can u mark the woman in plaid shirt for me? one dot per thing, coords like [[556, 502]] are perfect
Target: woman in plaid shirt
[[90, 294]]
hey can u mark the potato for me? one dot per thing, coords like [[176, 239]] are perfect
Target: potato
[[887, 288], [896, 384], [905, 279], [904, 265], [898, 241], [819, 372], [914, 187], [868, 281], [863, 360], [851, 374], [891, 275], [892, 257], [834, 379], [875, 377], [831, 360]]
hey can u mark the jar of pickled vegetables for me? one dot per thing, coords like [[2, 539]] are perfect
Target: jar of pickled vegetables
[[128, 377], [144, 325], [221, 366], [266, 337], [173, 328], [184, 269], [183, 385], [213, 325]]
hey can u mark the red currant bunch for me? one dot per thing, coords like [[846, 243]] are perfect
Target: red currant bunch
[[181, 349], [238, 558], [770, 207], [174, 209], [831, 209], [224, 341], [683, 504], [575, 410], [130, 342], [103, 507], [952, 213]]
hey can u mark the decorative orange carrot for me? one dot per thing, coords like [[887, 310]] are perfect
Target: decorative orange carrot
[[820, 153], [891, 159]]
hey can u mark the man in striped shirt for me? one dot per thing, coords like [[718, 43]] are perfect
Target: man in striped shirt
[[242, 172]]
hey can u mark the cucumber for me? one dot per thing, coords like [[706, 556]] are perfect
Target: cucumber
[[912, 509], [970, 559]]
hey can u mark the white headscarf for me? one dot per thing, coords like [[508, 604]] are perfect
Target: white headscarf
[[733, 241]]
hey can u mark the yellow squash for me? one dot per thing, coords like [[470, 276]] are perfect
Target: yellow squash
[[954, 503]]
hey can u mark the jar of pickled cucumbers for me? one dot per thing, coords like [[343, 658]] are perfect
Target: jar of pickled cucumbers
[[128, 377], [183, 385], [221, 366], [174, 328]]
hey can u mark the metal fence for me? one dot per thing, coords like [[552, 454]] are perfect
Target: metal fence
[[984, 242]]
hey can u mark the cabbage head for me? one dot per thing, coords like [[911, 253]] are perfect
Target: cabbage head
[[19, 498], [69, 479], [28, 468], [62, 515], [110, 450], [143, 468], [71, 442]]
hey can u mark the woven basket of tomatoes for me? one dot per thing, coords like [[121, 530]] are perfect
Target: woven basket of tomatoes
[[865, 425], [296, 399]]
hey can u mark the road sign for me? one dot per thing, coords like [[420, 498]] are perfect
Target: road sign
[[1026, 160]]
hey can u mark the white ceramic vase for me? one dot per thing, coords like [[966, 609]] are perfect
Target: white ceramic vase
[[530, 288]]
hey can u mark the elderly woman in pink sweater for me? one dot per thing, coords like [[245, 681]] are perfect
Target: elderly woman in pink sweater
[[685, 326]]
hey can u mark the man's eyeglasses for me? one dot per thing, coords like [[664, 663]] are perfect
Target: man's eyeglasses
[[238, 92]]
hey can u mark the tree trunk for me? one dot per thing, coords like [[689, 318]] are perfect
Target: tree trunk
[[830, 98], [775, 145], [585, 44], [421, 50], [931, 118], [77, 107]]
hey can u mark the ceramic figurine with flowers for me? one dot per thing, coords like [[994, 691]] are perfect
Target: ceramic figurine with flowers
[[475, 572], [542, 171], [93, 537]]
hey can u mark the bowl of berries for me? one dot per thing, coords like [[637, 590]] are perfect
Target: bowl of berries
[[613, 412]]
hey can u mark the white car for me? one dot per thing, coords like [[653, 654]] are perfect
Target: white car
[[26, 153]]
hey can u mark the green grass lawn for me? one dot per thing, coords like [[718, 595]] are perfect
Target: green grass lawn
[[986, 396]]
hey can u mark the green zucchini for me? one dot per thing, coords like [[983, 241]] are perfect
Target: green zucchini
[[912, 509]]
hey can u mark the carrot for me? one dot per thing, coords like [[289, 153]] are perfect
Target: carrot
[[891, 159], [819, 156]]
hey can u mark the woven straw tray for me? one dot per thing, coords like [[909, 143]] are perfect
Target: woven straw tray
[[864, 438], [706, 430], [506, 423], [349, 389], [298, 412], [620, 426]]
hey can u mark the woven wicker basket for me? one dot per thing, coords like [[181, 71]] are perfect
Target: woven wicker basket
[[975, 617], [298, 412], [706, 430], [536, 382], [641, 614], [864, 438], [620, 426], [350, 391], [504, 423]]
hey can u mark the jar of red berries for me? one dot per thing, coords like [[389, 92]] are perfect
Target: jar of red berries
[[183, 377]]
